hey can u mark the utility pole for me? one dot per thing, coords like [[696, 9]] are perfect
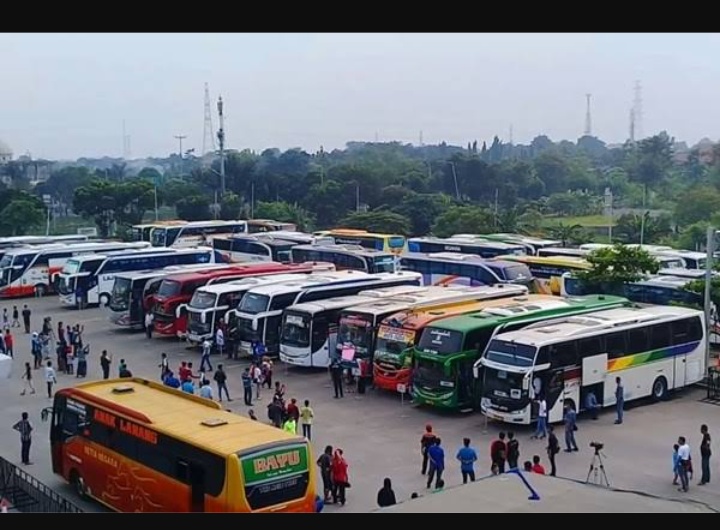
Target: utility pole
[[221, 141], [588, 117]]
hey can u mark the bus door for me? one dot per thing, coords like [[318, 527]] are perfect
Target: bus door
[[555, 386]]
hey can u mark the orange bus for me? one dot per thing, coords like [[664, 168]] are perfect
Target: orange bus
[[397, 334], [138, 446]]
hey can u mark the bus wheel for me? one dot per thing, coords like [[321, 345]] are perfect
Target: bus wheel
[[78, 483], [104, 300], [41, 290], [659, 389]]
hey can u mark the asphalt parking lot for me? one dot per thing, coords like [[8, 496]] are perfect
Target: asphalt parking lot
[[379, 434]]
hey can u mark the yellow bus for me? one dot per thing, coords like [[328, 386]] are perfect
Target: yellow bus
[[139, 446], [547, 271], [394, 243]]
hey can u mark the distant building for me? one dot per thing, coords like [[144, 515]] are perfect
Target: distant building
[[6, 153]]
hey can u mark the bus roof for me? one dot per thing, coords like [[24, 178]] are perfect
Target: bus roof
[[664, 281], [79, 247], [201, 422], [683, 253], [128, 253], [340, 302], [171, 270], [572, 261], [551, 331], [533, 303], [255, 267], [512, 238], [250, 283], [461, 240], [354, 249], [316, 280], [437, 295]]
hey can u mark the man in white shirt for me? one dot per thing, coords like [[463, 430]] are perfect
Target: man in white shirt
[[220, 340], [50, 378], [683, 463], [205, 359], [541, 431]]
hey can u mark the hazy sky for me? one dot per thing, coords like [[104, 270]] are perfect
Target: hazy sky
[[65, 96]]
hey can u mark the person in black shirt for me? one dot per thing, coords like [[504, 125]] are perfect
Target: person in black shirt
[[26, 318], [386, 495], [498, 452], [705, 454], [513, 451], [325, 463], [553, 448], [105, 364], [25, 430]]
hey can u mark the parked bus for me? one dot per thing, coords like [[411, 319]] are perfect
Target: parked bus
[[35, 270], [94, 276], [653, 349], [531, 244], [397, 333], [259, 315], [358, 325], [195, 233], [666, 256], [549, 252], [547, 271], [692, 260], [347, 257], [449, 268], [19, 241], [483, 248], [213, 304], [393, 243], [143, 232], [309, 330], [260, 247], [132, 293], [444, 356], [169, 312], [259, 226], [139, 446]]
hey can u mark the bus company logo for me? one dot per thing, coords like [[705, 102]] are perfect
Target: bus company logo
[[276, 462], [133, 429], [452, 248]]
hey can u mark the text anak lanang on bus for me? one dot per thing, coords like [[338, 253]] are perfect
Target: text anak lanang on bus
[[133, 429]]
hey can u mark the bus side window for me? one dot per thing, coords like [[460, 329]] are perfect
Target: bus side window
[[638, 341], [680, 331], [564, 354], [590, 347], [659, 336], [616, 345], [696, 331], [182, 470]]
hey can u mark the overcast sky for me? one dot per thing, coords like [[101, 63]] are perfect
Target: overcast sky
[[64, 96]]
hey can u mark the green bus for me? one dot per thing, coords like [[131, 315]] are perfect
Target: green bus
[[443, 373]]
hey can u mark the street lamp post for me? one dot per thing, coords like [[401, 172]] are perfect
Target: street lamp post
[[707, 303]]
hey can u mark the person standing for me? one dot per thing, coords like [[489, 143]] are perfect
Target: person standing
[[5, 318], [36, 349], [293, 412], [553, 448], [306, 419], [50, 378], [149, 324], [619, 400], [467, 457], [247, 387], [290, 425], [340, 477], [26, 318], [105, 361], [27, 377], [15, 317], [541, 431], [336, 372], [591, 405], [324, 462], [267, 372], [426, 441], [220, 341], [25, 429], [386, 495], [257, 377], [205, 358], [81, 357], [436, 456], [675, 464], [570, 428], [513, 451], [684, 464], [164, 366], [220, 378], [705, 454], [498, 453], [9, 342]]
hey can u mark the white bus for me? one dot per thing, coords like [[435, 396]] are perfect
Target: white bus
[[347, 257], [653, 349], [34, 270], [259, 315], [310, 330], [93, 276], [273, 246], [532, 244], [482, 247], [194, 234], [451, 268]]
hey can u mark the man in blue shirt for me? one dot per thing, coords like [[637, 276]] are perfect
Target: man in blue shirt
[[247, 387], [188, 386], [619, 400], [467, 457], [570, 426], [591, 405], [436, 456]]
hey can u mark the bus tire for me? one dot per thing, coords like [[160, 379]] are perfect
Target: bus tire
[[78, 484], [41, 289], [660, 389], [104, 300]]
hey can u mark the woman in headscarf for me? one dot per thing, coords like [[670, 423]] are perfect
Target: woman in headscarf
[[386, 495], [339, 468]]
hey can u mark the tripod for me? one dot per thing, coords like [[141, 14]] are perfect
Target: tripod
[[597, 471]]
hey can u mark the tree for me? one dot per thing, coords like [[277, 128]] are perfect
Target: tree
[[422, 209], [193, 208], [697, 204], [631, 228], [463, 220], [61, 184], [614, 266], [21, 215], [97, 200], [176, 189], [566, 233], [151, 175], [230, 206], [383, 221]]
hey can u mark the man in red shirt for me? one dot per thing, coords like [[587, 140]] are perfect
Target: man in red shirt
[[293, 411], [537, 467], [184, 373], [426, 440]]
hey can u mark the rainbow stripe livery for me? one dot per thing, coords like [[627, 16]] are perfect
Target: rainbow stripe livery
[[631, 361]]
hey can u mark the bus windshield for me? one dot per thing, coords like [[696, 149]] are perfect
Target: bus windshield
[[430, 375], [392, 342], [72, 266], [6, 261], [356, 331], [503, 384], [66, 284], [121, 292], [510, 353], [169, 288], [202, 300], [296, 330], [396, 242], [384, 264], [254, 303], [440, 341]]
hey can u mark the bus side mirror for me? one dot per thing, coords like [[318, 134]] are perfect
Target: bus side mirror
[[203, 317], [526, 382], [254, 324]]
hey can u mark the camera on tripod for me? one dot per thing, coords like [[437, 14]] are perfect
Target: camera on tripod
[[597, 446]]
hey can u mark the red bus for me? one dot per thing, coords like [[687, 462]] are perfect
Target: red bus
[[176, 290]]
